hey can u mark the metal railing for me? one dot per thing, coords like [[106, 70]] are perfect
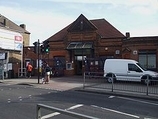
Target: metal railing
[[97, 81], [62, 111], [2, 73], [22, 72]]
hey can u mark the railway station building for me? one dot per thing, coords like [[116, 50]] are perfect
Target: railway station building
[[85, 44]]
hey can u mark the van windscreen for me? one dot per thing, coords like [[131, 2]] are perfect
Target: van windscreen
[[141, 67]]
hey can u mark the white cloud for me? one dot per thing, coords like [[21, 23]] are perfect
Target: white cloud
[[144, 31], [114, 2], [40, 24], [43, 23], [144, 7]]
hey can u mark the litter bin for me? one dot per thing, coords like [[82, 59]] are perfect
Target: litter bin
[[11, 74]]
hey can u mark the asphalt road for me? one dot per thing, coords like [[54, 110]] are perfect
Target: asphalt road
[[20, 101]]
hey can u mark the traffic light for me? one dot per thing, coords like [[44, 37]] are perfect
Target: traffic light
[[42, 49], [46, 46], [35, 47]]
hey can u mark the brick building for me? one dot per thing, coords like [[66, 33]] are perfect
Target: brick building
[[8, 31], [85, 44]]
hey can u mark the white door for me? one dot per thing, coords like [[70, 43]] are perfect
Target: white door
[[134, 73]]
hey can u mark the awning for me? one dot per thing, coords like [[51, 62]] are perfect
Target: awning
[[80, 45]]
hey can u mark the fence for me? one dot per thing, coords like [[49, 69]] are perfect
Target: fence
[[22, 72], [1, 73], [97, 81], [65, 112]]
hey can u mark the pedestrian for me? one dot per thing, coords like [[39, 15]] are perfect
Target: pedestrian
[[47, 74], [29, 70], [42, 73]]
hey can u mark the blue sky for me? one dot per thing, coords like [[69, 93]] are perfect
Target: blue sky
[[43, 18]]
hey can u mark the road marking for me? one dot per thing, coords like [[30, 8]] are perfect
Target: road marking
[[20, 98], [145, 102], [74, 107], [111, 110], [30, 96], [57, 113], [9, 100], [111, 96], [50, 115]]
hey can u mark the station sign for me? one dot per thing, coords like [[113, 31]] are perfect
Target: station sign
[[10, 40]]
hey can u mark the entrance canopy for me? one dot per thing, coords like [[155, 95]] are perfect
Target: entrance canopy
[[80, 45]]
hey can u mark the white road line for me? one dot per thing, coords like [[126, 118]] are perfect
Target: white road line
[[111, 96], [9, 100], [145, 102], [74, 107], [50, 115], [57, 113], [20, 98], [111, 110], [30, 96]]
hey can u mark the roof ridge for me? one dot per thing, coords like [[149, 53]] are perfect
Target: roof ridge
[[17, 29]]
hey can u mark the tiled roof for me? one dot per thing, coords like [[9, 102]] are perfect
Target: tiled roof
[[104, 29], [59, 36], [11, 25]]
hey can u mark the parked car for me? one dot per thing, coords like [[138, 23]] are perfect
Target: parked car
[[127, 70]]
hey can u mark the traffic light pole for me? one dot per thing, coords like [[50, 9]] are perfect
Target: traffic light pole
[[44, 48], [38, 61]]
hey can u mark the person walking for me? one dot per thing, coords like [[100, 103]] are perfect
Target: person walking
[[47, 74], [29, 70]]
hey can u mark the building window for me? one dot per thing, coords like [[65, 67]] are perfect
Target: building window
[[148, 59], [59, 62], [68, 66]]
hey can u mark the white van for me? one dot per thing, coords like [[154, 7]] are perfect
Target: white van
[[127, 70]]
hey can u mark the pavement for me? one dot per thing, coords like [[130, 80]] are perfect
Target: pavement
[[55, 83], [70, 83]]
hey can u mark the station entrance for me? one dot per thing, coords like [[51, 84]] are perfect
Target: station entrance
[[79, 62]]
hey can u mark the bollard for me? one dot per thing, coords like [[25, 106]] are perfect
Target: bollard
[[147, 82], [84, 78], [112, 82]]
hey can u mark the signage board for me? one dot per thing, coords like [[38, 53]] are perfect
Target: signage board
[[3, 56], [11, 40]]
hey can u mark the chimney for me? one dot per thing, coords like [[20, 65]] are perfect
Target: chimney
[[127, 35], [23, 26], [5, 22]]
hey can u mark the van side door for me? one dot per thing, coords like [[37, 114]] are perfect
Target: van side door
[[134, 72]]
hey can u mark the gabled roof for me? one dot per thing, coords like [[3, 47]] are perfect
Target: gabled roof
[[9, 25], [105, 29], [81, 24], [59, 36], [102, 27]]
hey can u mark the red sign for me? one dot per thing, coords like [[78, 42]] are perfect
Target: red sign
[[18, 38]]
